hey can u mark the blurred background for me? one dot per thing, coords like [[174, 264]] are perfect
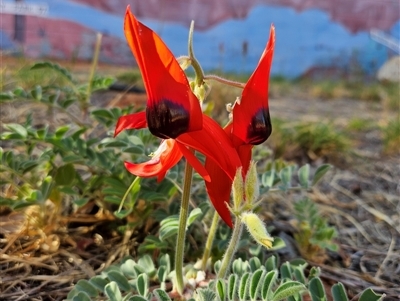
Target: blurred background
[[315, 38]]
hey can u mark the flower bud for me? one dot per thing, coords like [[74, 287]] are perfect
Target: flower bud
[[251, 188], [237, 189], [257, 229]]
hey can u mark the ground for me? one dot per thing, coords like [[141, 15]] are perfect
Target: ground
[[360, 196]]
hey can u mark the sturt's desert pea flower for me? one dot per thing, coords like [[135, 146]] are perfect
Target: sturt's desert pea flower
[[173, 113], [250, 125]]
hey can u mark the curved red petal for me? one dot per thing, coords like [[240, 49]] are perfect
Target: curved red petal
[[245, 152], [167, 155], [170, 100], [131, 121], [251, 120], [194, 162], [220, 186], [214, 143], [219, 190]]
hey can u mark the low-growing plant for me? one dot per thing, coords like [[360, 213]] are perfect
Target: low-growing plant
[[391, 136], [314, 236], [248, 280], [308, 139]]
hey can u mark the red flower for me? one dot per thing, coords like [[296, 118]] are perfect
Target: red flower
[[251, 125], [173, 112]]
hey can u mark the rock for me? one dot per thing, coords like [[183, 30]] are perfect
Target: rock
[[390, 71]]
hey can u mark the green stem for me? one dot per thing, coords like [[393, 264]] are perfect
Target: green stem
[[226, 261], [199, 80], [127, 192], [94, 65], [183, 214], [224, 81], [210, 240]]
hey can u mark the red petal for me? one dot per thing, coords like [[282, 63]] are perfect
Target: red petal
[[214, 143], [194, 162], [163, 77], [219, 190], [166, 156], [131, 121], [251, 120]]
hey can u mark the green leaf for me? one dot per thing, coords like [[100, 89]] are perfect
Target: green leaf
[[98, 282], [370, 295], [37, 93], [19, 92], [314, 272], [304, 174], [103, 113], [339, 292], [286, 175], [268, 283], [267, 179], [61, 131], [123, 213], [6, 96], [239, 266], [28, 166], [255, 284], [17, 128], [165, 260], [128, 268], [45, 188], [254, 264], [81, 202], [299, 275], [161, 295], [286, 271], [81, 296], [287, 289], [244, 286], [120, 280], [316, 290], [232, 286], [65, 175], [194, 214], [169, 227], [220, 288], [142, 284], [85, 286], [320, 172], [137, 150], [137, 298], [55, 67], [277, 244], [271, 263], [162, 273], [146, 262], [112, 291]]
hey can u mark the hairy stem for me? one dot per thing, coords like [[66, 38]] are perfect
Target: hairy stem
[[127, 193], [183, 214], [226, 261], [224, 81], [210, 240], [194, 62]]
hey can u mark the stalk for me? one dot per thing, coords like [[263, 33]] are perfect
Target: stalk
[[210, 240], [226, 261], [183, 214]]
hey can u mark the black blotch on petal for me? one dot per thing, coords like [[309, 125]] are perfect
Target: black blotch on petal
[[166, 119], [260, 127]]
